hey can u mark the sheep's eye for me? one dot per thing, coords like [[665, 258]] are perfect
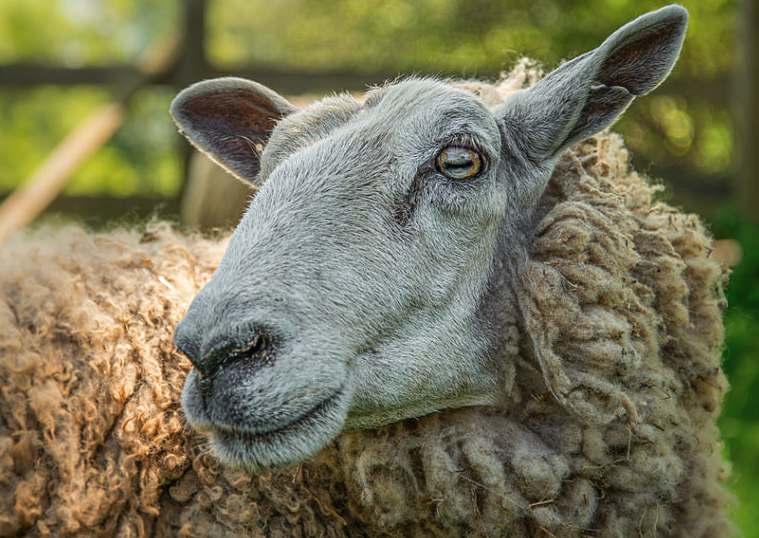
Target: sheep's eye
[[459, 162]]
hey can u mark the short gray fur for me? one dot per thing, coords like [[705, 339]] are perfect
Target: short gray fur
[[367, 318]]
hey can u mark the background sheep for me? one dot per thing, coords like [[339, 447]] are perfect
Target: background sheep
[[92, 442]]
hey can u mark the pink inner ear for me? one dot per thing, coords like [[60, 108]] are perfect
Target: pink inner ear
[[238, 111], [635, 64], [229, 123]]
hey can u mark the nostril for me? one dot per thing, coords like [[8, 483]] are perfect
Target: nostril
[[259, 350]]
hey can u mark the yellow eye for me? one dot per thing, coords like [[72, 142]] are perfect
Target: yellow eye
[[459, 162]]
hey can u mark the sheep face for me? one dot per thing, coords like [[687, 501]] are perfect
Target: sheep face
[[369, 278], [360, 265]]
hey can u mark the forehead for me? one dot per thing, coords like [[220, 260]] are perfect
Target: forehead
[[429, 107], [418, 112], [419, 94]]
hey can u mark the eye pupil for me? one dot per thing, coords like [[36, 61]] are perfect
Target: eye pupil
[[459, 162]]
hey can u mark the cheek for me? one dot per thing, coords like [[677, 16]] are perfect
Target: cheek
[[457, 251], [448, 268], [467, 232], [467, 207]]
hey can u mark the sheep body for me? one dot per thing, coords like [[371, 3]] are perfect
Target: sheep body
[[619, 310]]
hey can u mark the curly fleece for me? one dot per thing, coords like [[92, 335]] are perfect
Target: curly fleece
[[608, 431]]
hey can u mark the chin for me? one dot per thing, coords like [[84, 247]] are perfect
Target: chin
[[259, 449]]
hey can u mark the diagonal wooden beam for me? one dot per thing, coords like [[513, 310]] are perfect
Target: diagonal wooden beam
[[41, 188]]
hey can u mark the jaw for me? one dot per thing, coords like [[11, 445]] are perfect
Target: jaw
[[439, 359], [260, 449], [375, 419]]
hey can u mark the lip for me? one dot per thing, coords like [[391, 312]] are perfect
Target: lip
[[248, 433], [258, 449]]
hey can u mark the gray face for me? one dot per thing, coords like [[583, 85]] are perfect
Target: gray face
[[369, 278]]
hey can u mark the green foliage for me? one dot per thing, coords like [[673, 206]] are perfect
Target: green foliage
[[453, 36], [140, 158], [740, 417], [34, 121], [82, 32], [683, 134]]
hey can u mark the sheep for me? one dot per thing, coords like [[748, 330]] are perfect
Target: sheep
[[606, 383]]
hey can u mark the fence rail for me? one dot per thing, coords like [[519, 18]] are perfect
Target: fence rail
[[287, 81]]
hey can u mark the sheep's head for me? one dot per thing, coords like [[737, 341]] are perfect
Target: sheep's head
[[365, 281]]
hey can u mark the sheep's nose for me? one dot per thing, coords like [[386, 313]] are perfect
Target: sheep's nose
[[258, 352]]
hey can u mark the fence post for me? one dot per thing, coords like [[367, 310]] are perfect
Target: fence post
[[192, 65], [746, 112]]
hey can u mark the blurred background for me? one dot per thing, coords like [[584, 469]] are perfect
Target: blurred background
[[85, 87]]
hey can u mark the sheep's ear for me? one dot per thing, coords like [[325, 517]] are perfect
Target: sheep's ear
[[589, 92], [230, 120]]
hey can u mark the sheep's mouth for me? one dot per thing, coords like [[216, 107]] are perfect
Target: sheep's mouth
[[244, 433], [283, 446]]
